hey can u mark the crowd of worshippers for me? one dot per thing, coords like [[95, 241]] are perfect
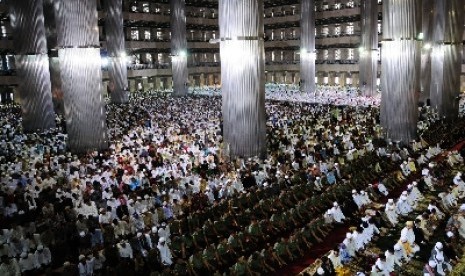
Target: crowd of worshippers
[[324, 94], [165, 198], [416, 234]]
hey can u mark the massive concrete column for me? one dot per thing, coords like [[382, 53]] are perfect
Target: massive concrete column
[[243, 76], [27, 20], [179, 47], [368, 62], [307, 46], [117, 68], [400, 81], [428, 26], [446, 57], [54, 62], [81, 75]]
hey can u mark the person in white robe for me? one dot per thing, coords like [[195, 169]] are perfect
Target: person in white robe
[[337, 213], [165, 252], [391, 212], [408, 233], [416, 192], [350, 244], [391, 261], [365, 198], [379, 268], [405, 169], [403, 207], [382, 189], [399, 253], [335, 259], [357, 199]]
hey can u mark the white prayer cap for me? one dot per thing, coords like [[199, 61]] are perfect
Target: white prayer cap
[[139, 234], [414, 183], [397, 247], [335, 204], [438, 246], [318, 178], [146, 196], [320, 271], [82, 234], [348, 235], [81, 257], [450, 234], [404, 192], [329, 212], [432, 263], [459, 174], [354, 191], [391, 200], [154, 229], [40, 247], [409, 186], [162, 239], [405, 162], [362, 192]]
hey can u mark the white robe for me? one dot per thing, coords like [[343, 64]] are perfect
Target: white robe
[[403, 207], [165, 254], [337, 214], [391, 213]]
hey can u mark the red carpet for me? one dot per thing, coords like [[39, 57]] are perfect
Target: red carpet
[[337, 235]]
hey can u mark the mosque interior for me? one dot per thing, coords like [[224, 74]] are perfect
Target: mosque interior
[[232, 137]]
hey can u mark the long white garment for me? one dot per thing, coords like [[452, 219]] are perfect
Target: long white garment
[[391, 261], [409, 234], [391, 213], [336, 260], [337, 214], [350, 246], [403, 207], [165, 253]]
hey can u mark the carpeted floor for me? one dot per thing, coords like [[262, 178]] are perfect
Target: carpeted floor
[[337, 235]]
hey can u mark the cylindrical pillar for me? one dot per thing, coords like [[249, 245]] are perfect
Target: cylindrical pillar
[[400, 81], [446, 57], [243, 77], [368, 62], [81, 74], [179, 47], [117, 67], [307, 46], [428, 26], [32, 64]]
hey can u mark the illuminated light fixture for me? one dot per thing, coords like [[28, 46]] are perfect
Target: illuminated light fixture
[[427, 46], [104, 61], [421, 36], [214, 41], [182, 53]]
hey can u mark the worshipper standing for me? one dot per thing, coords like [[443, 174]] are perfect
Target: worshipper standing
[[165, 252]]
